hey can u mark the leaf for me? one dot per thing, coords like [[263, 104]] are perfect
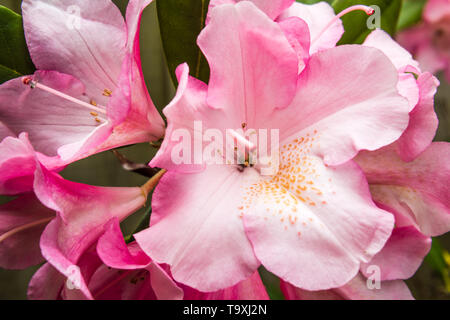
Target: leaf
[[180, 23], [143, 224], [15, 60], [439, 260], [355, 23], [411, 13], [272, 284]]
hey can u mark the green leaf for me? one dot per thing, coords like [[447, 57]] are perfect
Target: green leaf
[[143, 223], [180, 23], [411, 13], [15, 60], [272, 284], [355, 23], [439, 260]]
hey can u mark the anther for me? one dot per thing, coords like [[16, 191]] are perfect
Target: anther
[[107, 93], [94, 114]]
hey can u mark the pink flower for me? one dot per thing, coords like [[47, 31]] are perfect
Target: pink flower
[[88, 94], [356, 289], [313, 223], [430, 40], [83, 211], [23, 219], [249, 289], [115, 272], [420, 93], [317, 17]]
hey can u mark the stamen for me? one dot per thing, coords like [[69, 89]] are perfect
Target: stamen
[[240, 139], [107, 93], [34, 84], [368, 10]]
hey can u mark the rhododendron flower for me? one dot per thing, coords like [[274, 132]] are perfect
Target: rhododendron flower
[[88, 94], [75, 219], [430, 40], [83, 211], [313, 223], [127, 275]]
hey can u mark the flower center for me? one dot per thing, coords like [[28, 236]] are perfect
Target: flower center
[[95, 109]]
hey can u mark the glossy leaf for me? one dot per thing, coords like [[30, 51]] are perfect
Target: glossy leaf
[[180, 23], [15, 60], [355, 23]]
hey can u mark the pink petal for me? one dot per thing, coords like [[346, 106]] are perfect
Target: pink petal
[[423, 121], [114, 252], [83, 211], [198, 232], [188, 107], [399, 56], [22, 222], [253, 66], [356, 289], [249, 289], [313, 229], [142, 120], [351, 106], [17, 165], [85, 39], [272, 8], [46, 284], [317, 16], [50, 247], [297, 33], [416, 192], [402, 255]]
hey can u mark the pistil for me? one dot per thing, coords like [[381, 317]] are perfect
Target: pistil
[[368, 10]]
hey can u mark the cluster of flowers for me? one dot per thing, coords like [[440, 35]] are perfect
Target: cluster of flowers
[[360, 182]]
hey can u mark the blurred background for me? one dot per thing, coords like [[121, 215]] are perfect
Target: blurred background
[[105, 170]]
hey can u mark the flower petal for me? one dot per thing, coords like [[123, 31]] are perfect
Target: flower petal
[[313, 228], [317, 16], [114, 252], [249, 289], [46, 284], [22, 222], [253, 66], [423, 121], [402, 255], [196, 229], [416, 192], [352, 106], [83, 38], [356, 289]]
